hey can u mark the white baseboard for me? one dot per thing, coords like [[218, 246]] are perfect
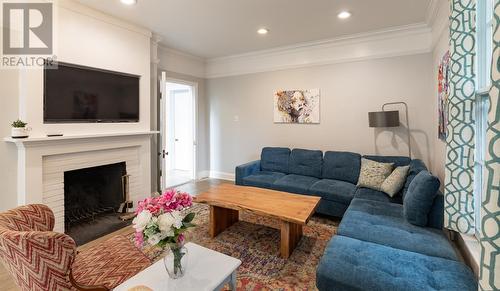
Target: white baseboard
[[222, 175], [203, 175]]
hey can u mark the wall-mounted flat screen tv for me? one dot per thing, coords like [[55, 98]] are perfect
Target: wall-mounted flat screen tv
[[75, 94]]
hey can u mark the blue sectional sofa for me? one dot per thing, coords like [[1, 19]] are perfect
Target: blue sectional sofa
[[376, 248]]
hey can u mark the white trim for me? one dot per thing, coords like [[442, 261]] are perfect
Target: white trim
[[432, 10], [471, 251], [180, 62], [398, 41], [45, 140], [440, 22], [195, 151], [203, 175], [179, 53], [221, 175], [96, 14]]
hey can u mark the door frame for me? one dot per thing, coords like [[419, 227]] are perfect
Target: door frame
[[162, 127]]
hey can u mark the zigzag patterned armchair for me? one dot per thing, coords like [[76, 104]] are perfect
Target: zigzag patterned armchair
[[36, 257]]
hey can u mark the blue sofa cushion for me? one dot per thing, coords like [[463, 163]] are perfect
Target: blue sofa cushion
[[244, 170], [263, 179], [306, 162], [331, 208], [334, 190], [374, 195], [275, 159], [342, 166], [295, 184], [396, 160], [383, 223], [416, 166], [436, 215], [350, 264], [419, 199]]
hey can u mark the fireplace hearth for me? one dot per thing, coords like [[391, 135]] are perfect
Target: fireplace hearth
[[93, 199]]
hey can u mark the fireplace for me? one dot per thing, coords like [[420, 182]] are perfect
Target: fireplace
[[94, 199]]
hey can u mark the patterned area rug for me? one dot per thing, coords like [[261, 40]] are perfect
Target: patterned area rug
[[255, 241]]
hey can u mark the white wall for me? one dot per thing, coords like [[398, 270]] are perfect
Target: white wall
[[441, 46], [9, 84], [241, 110], [83, 36], [87, 37]]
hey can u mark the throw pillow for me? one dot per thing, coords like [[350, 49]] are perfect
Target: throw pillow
[[419, 198], [395, 182], [373, 174]]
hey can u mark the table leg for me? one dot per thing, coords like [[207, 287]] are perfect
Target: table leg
[[290, 237], [221, 218], [232, 283]]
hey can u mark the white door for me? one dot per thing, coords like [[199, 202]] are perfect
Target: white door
[[162, 153], [177, 132]]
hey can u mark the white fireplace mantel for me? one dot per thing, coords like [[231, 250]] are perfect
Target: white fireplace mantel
[[46, 139], [41, 162]]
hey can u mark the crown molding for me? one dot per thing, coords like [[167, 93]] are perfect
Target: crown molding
[[431, 12], [103, 17], [172, 51], [440, 22], [392, 42], [181, 62]]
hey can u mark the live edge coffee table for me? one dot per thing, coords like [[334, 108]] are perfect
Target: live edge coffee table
[[294, 211]]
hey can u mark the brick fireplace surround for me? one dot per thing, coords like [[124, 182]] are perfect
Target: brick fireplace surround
[[43, 161]]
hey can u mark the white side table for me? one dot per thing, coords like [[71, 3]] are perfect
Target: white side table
[[206, 270]]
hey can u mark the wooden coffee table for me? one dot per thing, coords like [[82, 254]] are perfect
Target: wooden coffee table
[[294, 211]]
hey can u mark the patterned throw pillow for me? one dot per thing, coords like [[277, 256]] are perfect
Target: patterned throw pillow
[[373, 174], [395, 182]]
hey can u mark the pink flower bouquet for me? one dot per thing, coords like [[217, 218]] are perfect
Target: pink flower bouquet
[[160, 221]]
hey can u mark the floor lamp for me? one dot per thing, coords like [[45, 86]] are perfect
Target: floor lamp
[[390, 119]]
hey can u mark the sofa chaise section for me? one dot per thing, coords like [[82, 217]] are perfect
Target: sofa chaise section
[[350, 264], [384, 224]]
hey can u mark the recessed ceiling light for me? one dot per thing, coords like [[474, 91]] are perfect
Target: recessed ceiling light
[[263, 31], [344, 14], [129, 2]]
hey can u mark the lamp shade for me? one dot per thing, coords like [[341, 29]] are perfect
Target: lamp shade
[[383, 118]]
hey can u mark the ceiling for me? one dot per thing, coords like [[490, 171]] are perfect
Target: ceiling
[[216, 28]]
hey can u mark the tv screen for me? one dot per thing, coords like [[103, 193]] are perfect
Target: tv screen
[[75, 93]]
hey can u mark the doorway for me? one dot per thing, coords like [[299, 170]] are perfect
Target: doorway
[[178, 132]]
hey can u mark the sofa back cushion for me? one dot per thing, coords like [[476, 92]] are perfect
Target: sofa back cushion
[[396, 160], [306, 162], [416, 166], [419, 199], [342, 166], [275, 159]]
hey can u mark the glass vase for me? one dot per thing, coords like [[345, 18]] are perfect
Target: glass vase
[[176, 261]]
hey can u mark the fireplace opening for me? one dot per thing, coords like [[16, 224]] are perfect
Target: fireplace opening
[[94, 200]]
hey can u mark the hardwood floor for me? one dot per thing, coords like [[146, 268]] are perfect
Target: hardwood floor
[[194, 188]]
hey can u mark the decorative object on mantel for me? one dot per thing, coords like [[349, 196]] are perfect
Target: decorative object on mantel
[[161, 221], [390, 119], [296, 106], [19, 129], [443, 93]]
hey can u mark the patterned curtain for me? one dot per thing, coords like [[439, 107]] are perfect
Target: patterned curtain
[[459, 171], [489, 278]]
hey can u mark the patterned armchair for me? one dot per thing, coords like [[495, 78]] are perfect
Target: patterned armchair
[[36, 257]]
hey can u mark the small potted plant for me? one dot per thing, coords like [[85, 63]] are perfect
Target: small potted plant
[[19, 129]]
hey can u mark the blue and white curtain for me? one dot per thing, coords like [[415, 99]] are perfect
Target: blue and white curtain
[[489, 274], [459, 199], [459, 171]]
